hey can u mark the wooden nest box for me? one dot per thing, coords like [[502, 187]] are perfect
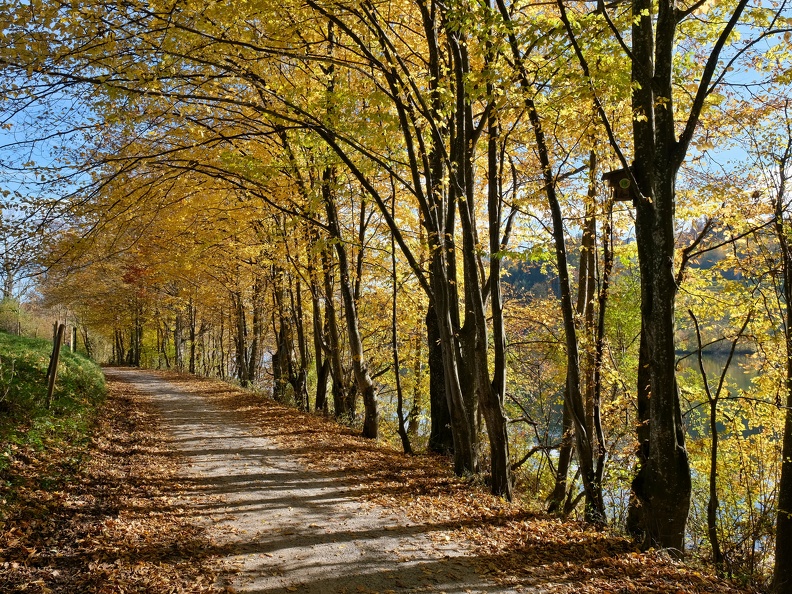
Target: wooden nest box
[[620, 181]]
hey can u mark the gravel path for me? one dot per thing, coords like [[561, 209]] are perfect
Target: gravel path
[[285, 528]]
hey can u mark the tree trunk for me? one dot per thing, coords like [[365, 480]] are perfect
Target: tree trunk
[[365, 384], [322, 363], [599, 340], [300, 381], [178, 354], [252, 353], [137, 336], [441, 437], [474, 334], [465, 450], [495, 392], [118, 348], [664, 478], [782, 574], [413, 419], [87, 341], [193, 321], [573, 397], [595, 506], [666, 483], [343, 401], [555, 501], [240, 339], [221, 371], [635, 520], [282, 358], [401, 428]]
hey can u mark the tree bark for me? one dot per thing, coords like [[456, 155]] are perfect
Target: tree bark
[[401, 428], [257, 323], [301, 380], [365, 384], [193, 315], [782, 574], [321, 362], [343, 401], [283, 357], [555, 501], [441, 437], [666, 482], [240, 338]]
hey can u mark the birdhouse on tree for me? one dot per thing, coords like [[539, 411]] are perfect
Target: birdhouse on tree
[[620, 181]]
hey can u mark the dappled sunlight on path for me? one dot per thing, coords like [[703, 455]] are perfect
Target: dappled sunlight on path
[[283, 528]]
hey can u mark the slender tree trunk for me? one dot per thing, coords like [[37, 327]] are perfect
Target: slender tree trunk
[[178, 354], [403, 435], [474, 335], [137, 335], [782, 574], [165, 343], [413, 418], [344, 397], [712, 503], [87, 341], [555, 502], [585, 311], [465, 450], [365, 384], [52, 372], [586, 295], [595, 506], [118, 348], [253, 357], [221, 372], [599, 342], [443, 323], [441, 437], [494, 390], [160, 342], [193, 321], [343, 408], [282, 357], [322, 363], [301, 378], [240, 338]]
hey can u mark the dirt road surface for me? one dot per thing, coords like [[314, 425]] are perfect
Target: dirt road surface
[[284, 528]]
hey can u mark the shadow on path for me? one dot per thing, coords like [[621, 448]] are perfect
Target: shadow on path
[[284, 528]]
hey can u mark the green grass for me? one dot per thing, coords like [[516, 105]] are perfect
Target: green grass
[[25, 421]]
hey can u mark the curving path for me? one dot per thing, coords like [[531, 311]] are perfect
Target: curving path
[[284, 528]]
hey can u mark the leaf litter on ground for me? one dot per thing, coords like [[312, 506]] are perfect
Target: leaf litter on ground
[[115, 520], [104, 516], [514, 545]]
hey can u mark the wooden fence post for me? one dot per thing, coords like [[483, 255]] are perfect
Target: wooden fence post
[[53, 366]]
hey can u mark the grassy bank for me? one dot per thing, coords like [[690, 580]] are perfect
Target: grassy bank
[[27, 427]]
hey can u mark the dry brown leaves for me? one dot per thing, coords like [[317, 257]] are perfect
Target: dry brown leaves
[[514, 545], [107, 517]]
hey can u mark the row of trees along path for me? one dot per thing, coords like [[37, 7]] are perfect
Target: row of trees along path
[[305, 124]]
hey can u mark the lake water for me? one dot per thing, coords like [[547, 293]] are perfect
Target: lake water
[[739, 374]]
